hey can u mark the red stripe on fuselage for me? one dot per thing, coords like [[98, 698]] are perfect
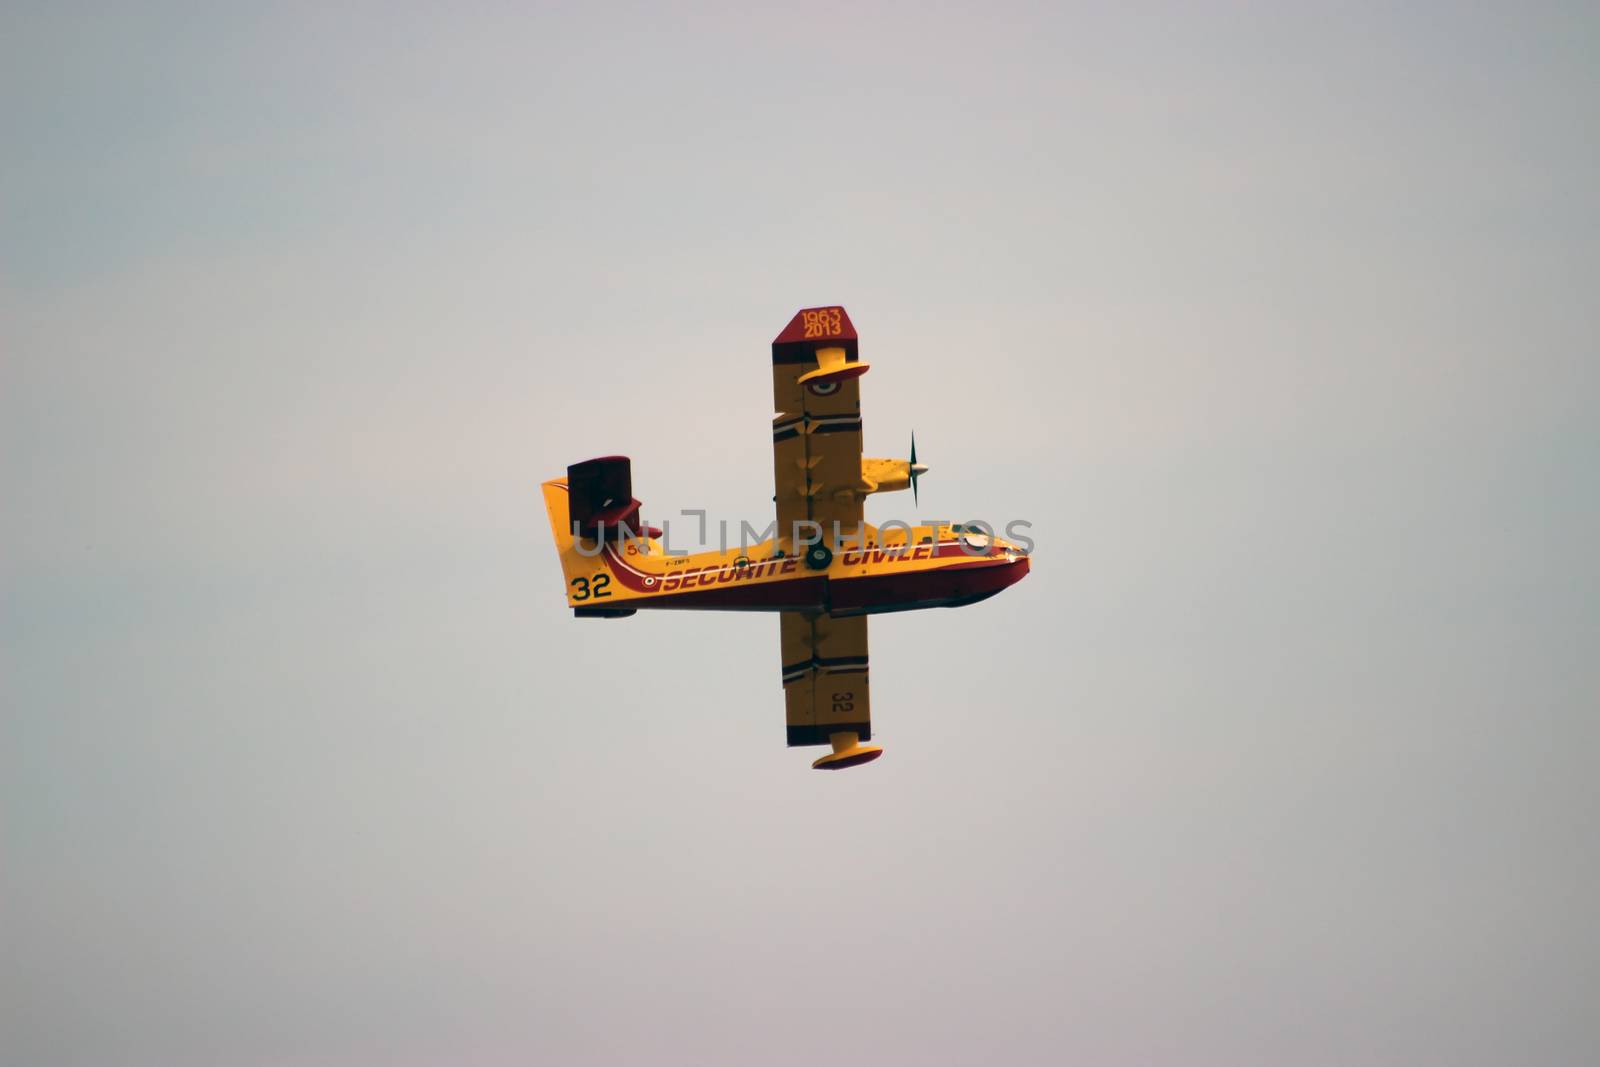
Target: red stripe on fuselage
[[726, 587], [957, 583]]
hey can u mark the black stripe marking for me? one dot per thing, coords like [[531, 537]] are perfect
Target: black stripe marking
[[830, 664], [818, 735], [794, 352]]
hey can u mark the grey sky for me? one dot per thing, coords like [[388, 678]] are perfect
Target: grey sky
[[1278, 324]]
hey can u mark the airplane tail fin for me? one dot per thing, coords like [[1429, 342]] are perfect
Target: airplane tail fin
[[592, 502]]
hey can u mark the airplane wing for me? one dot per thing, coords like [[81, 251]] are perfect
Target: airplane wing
[[816, 434], [825, 686], [816, 460]]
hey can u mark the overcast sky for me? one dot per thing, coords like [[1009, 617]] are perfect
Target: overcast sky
[[1278, 322]]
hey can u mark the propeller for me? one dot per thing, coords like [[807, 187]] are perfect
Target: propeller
[[917, 469]]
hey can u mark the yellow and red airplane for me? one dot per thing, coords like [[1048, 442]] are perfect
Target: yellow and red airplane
[[824, 572]]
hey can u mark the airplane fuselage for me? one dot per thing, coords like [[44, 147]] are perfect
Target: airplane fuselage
[[884, 571]]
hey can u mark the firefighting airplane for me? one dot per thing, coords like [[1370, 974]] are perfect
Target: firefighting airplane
[[824, 572]]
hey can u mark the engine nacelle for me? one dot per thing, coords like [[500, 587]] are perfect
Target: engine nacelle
[[885, 475]]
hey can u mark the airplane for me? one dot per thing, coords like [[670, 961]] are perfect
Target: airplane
[[824, 572]]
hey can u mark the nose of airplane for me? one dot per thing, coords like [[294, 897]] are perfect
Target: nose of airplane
[[1008, 568]]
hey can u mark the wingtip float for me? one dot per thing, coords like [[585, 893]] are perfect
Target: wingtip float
[[822, 584]]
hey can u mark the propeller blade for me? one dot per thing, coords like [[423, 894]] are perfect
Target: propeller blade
[[914, 471]]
